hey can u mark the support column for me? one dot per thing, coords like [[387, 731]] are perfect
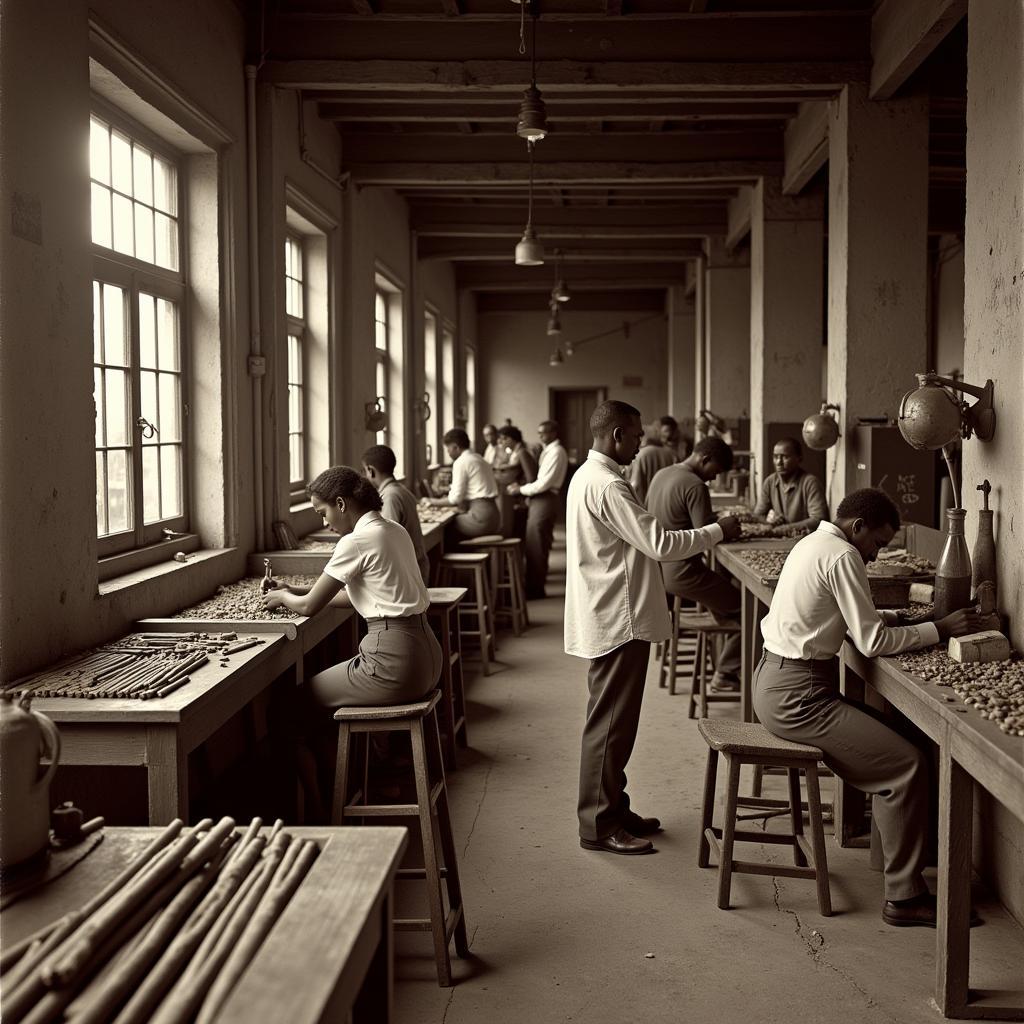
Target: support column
[[700, 336], [877, 262], [682, 354], [786, 330], [727, 364]]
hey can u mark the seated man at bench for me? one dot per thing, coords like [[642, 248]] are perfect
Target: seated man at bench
[[791, 498]]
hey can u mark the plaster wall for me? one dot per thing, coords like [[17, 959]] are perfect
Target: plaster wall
[[877, 260], [994, 346], [727, 362], [682, 358], [49, 599], [949, 308], [515, 375], [786, 281]]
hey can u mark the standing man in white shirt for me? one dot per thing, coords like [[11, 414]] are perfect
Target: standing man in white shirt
[[824, 597], [614, 609], [542, 507], [473, 491]]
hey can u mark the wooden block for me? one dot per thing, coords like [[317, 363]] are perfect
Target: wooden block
[[989, 645], [922, 593]]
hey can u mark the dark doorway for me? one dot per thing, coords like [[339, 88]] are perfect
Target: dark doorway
[[571, 408]]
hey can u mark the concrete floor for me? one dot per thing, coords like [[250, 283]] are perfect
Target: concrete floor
[[561, 934]]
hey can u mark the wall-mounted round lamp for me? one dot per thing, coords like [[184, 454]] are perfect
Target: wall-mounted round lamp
[[821, 430], [932, 416], [376, 417]]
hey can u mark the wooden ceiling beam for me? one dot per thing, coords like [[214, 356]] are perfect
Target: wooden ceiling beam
[[508, 148], [772, 37], [452, 8], [611, 276], [806, 147], [565, 174], [461, 220], [650, 299], [657, 77], [903, 34], [604, 250]]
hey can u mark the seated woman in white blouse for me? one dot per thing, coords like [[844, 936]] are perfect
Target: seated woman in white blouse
[[374, 571]]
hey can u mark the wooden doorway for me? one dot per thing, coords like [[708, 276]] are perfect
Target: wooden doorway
[[572, 408]]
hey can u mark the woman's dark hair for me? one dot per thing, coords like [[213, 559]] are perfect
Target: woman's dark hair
[[514, 433], [344, 482], [459, 437], [872, 505]]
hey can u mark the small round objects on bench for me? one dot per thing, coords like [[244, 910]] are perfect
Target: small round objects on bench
[[419, 720], [743, 743]]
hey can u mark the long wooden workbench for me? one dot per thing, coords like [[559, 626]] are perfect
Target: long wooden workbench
[[970, 750], [327, 956]]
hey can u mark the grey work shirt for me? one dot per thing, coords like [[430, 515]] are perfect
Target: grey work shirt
[[680, 500], [650, 459], [400, 507], [800, 501]]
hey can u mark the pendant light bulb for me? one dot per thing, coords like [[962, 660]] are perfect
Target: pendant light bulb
[[532, 124], [554, 324], [529, 252], [556, 358], [560, 293], [569, 349]]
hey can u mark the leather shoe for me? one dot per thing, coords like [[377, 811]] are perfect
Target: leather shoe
[[619, 841], [637, 826], [917, 912]]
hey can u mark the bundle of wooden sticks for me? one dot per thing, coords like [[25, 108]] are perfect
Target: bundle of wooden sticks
[[140, 666], [167, 940]]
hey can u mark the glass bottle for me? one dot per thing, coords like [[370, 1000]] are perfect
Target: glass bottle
[[953, 573]]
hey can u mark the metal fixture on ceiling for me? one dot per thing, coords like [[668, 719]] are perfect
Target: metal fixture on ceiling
[[554, 324], [556, 358], [529, 252], [560, 292], [532, 124]]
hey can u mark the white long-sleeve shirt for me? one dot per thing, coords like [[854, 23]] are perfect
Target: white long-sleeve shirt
[[613, 590], [471, 478], [823, 595], [551, 469]]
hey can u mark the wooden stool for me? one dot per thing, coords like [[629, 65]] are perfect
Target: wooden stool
[[673, 656], [443, 602], [509, 577], [487, 542], [431, 808], [704, 625], [473, 563], [743, 743]]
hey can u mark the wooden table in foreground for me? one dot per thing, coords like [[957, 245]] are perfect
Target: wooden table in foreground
[[159, 734], [971, 749], [755, 598], [328, 955]]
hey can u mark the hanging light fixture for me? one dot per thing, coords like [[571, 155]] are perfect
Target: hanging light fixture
[[532, 124], [560, 293], [554, 324], [529, 252], [569, 349], [556, 358]]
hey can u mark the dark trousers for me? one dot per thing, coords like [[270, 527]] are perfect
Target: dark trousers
[[616, 682], [716, 593], [540, 534]]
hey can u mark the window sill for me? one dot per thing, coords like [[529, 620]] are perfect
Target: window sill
[[300, 506], [133, 578], [152, 554]]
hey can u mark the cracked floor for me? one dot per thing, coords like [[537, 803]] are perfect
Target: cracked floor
[[560, 934]]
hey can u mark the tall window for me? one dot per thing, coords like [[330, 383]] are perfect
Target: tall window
[[448, 377], [470, 393], [139, 348], [295, 315], [389, 341], [432, 430]]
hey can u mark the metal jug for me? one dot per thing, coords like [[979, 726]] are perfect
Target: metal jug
[[24, 782]]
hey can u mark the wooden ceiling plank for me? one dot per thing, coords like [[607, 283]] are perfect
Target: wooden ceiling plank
[[454, 218], [806, 147], [452, 8], [739, 217], [651, 76], [407, 173], [903, 34], [651, 299], [612, 276]]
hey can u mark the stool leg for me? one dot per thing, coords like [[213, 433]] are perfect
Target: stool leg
[[428, 836], [728, 832], [695, 679], [673, 647], [341, 775], [707, 808], [482, 608], [818, 840], [758, 780], [447, 695], [703, 675], [459, 684], [796, 815], [451, 863]]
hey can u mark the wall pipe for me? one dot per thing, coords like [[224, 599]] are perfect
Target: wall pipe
[[256, 363]]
